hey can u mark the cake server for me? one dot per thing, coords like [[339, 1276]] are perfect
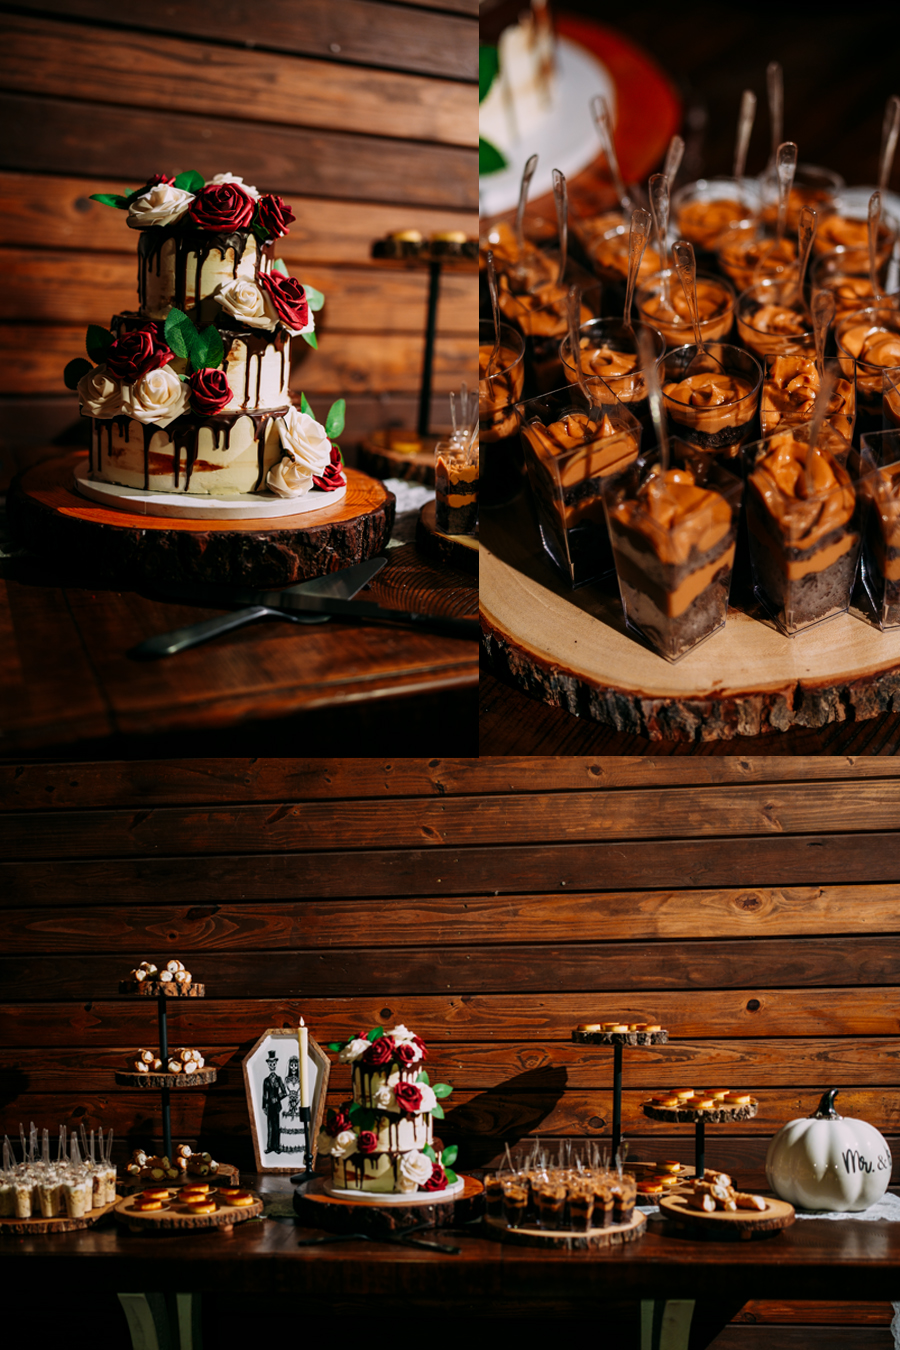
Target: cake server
[[341, 585]]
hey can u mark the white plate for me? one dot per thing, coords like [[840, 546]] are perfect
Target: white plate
[[185, 506], [392, 1198], [567, 140]]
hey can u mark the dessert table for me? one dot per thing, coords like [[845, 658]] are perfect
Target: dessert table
[[679, 1280]]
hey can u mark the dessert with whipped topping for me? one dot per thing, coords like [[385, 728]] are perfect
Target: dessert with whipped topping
[[703, 211], [608, 251], [541, 315], [746, 255], [790, 389], [846, 275], [662, 304], [530, 266], [673, 535], [839, 231], [570, 452], [872, 337], [381, 1140], [772, 320], [609, 352], [711, 400], [456, 488], [802, 521]]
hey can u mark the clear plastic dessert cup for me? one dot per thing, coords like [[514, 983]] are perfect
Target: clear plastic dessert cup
[[542, 317], [624, 1196], [572, 447], [711, 399], [813, 186], [847, 228], [609, 349], [608, 253], [890, 400], [550, 1200], [499, 390], [749, 253], [661, 303], [879, 490], [803, 526], [673, 536], [790, 388], [531, 268], [456, 487], [515, 1203], [702, 211], [872, 337], [845, 272], [773, 321]]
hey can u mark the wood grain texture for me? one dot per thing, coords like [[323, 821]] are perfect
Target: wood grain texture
[[135, 70]]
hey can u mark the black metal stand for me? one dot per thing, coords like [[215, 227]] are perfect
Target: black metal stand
[[434, 286], [617, 1100], [700, 1150], [305, 1177], [164, 1056]]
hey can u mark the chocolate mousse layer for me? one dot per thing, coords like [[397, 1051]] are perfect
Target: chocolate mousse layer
[[881, 550], [790, 390], [711, 409], [456, 493]]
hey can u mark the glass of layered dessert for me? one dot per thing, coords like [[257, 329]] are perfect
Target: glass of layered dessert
[[532, 266], [711, 395], [456, 487], [608, 252], [661, 304], [749, 253], [847, 228], [609, 350], [499, 390], [812, 186], [803, 526], [572, 446], [773, 321], [879, 490], [790, 388], [673, 532], [703, 211], [541, 316], [890, 400], [872, 337], [845, 272]]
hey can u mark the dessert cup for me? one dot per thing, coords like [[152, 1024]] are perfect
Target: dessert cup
[[702, 211], [790, 388], [609, 349], [872, 337], [748, 253], [499, 238], [542, 317], [673, 536], [581, 1207], [624, 1196], [715, 302], [711, 398], [847, 228], [813, 186], [515, 1203], [608, 253], [890, 400], [456, 487], [603, 1202], [772, 320], [550, 1199], [845, 272], [498, 394], [7, 1197], [803, 526], [879, 490], [572, 447], [493, 1196], [23, 1187]]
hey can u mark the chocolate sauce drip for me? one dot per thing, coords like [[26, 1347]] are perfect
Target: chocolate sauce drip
[[186, 239]]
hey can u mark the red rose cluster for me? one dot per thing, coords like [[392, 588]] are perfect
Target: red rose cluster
[[222, 207], [210, 392], [288, 297], [438, 1179], [337, 1121], [137, 352], [331, 479], [409, 1098]]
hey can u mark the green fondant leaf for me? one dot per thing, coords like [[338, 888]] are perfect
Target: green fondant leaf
[[190, 180], [180, 332], [304, 407], [355, 1109], [429, 1153], [260, 235], [207, 351], [279, 265], [98, 342], [437, 1111], [311, 339], [490, 159], [376, 1032], [442, 1089], [451, 1176], [488, 65], [334, 1045], [334, 422], [315, 299], [109, 199], [448, 1157], [75, 370], [423, 1076]]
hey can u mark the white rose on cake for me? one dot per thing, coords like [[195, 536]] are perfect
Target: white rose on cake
[[245, 301], [353, 1050], [415, 1170], [233, 178], [160, 397], [402, 1033], [384, 1096], [307, 452], [100, 393], [429, 1100], [161, 204], [343, 1145]]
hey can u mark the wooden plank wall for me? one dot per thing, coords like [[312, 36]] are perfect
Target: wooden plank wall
[[751, 906], [362, 114]]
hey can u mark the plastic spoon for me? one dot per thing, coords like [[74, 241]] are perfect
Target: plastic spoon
[[874, 225], [574, 314], [806, 233], [674, 156], [820, 408], [785, 168], [527, 175], [686, 267], [495, 310], [603, 123], [822, 316], [654, 395], [745, 126], [561, 197], [889, 133], [659, 205], [775, 90], [637, 242]]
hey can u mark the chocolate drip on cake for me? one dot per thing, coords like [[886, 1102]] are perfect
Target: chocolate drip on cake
[[188, 239]]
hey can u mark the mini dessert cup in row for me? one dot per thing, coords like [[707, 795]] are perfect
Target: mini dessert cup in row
[[499, 390], [872, 338], [711, 396], [673, 533], [662, 304], [609, 350], [572, 447], [541, 316], [879, 488], [703, 211], [845, 272], [456, 471], [608, 252], [751, 253], [772, 319], [803, 526], [813, 185], [790, 388]]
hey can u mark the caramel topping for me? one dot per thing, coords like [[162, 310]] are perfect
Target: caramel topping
[[849, 293], [606, 361], [606, 447], [837, 231], [676, 515], [710, 400], [612, 253], [540, 312], [790, 392], [504, 246], [713, 300], [703, 222], [872, 343], [746, 257], [504, 385], [804, 512], [777, 319]]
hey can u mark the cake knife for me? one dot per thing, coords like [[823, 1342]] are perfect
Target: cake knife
[[257, 604]]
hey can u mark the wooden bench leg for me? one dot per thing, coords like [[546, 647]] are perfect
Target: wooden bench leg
[[666, 1324], [163, 1322]]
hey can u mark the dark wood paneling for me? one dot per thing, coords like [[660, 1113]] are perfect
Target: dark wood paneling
[[358, 31]]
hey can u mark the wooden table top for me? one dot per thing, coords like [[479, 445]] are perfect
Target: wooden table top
[[68, 685]]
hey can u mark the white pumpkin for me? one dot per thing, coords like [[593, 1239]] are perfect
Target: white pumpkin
[[825, 1161]]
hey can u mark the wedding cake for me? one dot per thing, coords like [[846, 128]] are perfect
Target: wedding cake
[[381, 1140], [189, 393]]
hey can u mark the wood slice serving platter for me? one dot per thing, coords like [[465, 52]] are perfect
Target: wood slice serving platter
[[458, 550], [743, 1223], [175, 1214], [570, 649], [13, 1227], [567, 1239], [153, 989], [685, 1115], [659, 1037], [46, 513], [225, 1174], [371, 1213], [397, 453], [130, 1078]]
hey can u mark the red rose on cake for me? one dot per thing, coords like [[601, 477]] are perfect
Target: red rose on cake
[[438, 1179], [137, 352], [274, 216], [221, 207], [329, 481], [381, 1051], [367, 1141], [209, 392], [409, 1098], [287, 299]]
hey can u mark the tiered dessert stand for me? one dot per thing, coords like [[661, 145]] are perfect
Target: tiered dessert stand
[[618, 1040], [700, 1119]]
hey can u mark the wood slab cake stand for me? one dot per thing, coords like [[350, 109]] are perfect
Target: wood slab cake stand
[[459, 550], [176, 1214], [46, 512], [614, 1236], [743, 1223], [343, 1214], [570, 649], [63, 1224], [618, 1039]]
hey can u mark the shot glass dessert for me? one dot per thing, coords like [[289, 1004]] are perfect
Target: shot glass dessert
[[531, 267], [813, 186], [848, 228], [790, 388], [541, 316], [705, 210], [711, 398], [624, 1195], [456, 487], [581, 1206], [772, 320], [572, 447], [515, 1202], [493, 1195], [550, 1199], [747, 253], [608, 253], [803, 526], [662, 305], [673, 534], [499, 390], [872, 337], [845, 272], [879, 491], [609, 349]]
